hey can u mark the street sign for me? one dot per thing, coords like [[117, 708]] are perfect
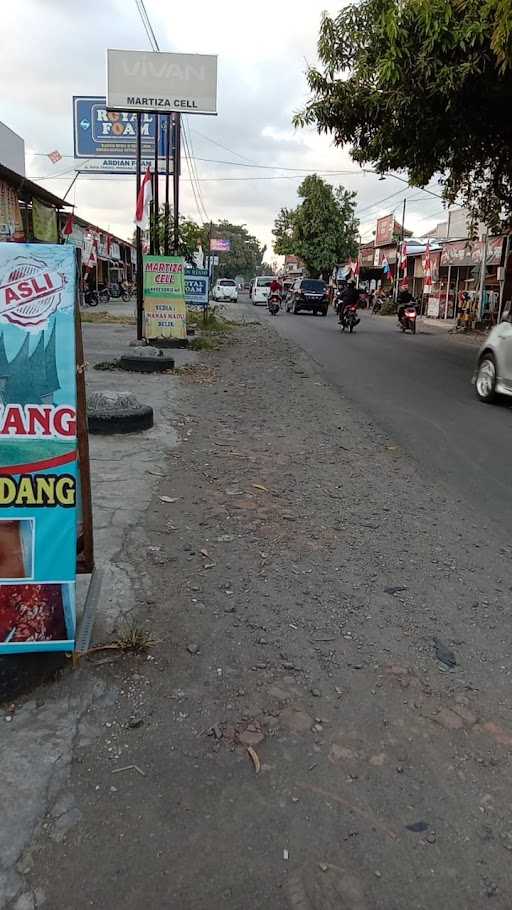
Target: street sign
[[161, 82], [105, 141], [196, 287]]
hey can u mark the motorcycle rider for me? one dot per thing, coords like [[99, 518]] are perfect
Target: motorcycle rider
[[276, 290], [404, 300], [349, 297]]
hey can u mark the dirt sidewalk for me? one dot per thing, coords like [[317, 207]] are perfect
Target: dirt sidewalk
[[298, 572]]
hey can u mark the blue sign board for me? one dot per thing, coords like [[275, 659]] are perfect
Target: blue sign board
[[196, 287], [108, 139]]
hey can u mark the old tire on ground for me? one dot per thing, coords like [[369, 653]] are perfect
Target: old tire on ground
[[146, 364], [110, 412]]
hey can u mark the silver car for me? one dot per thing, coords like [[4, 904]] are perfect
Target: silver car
[[493, 374]]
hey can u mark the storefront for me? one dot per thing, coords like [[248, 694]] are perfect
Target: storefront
[[463, 289]]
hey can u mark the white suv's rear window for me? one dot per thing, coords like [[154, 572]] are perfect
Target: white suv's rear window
[[227, 283]]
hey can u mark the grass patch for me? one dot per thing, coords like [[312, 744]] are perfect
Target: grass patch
[[135, 639], [204, 344], [104, 318], [214, 324]]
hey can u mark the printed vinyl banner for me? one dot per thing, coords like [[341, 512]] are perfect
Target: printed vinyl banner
[[44, 221], [11, 224], [38, 448], [165, 312], [196, 287], [105, 141]]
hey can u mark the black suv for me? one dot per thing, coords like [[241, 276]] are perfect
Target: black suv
[[308, 294]]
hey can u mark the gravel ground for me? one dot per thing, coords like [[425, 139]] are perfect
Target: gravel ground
[[299, 572]]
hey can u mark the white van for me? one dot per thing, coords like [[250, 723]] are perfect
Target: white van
[[260, 289]]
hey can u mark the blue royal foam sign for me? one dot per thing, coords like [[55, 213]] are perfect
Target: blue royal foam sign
[[196, 287], [105, 141], [39, 490]]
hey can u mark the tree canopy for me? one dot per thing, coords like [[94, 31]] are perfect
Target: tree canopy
[[322, 229], [246, 255], [425, 86]]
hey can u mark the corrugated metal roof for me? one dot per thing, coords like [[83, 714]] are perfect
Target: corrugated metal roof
[[26, 189]]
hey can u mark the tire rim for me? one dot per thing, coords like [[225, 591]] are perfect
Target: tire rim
[[486, 378]]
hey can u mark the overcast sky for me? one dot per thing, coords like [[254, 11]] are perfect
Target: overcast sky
[[56, 49]]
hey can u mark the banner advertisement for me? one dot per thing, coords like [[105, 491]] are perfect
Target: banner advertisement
[[44, 222], [196, 287], [217, 245], [11, 223], [165, 311], [470, 252], [384, 232], [107, 140], [38, 448]]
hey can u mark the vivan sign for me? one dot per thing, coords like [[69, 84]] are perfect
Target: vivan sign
[[160, 82]]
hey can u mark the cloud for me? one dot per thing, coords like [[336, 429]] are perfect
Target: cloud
[[56, 49]]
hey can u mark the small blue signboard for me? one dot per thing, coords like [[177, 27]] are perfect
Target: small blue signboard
[[109, 138], [196, 287]]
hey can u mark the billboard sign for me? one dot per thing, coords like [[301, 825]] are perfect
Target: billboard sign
[[196, 287], [165, 312], [38, 448], [470, 252], [384, 233], [105, 141], [161, 82], [220, 246]]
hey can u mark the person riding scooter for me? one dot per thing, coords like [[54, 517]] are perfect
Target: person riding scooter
[[404, 300], [276, 290], [349, 297]]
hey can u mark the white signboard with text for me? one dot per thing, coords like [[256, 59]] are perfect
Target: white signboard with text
[[161, 82]]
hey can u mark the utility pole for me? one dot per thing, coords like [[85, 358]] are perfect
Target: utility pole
[[176, 180], [167, 225], [138, 234], [483, 270], [402, 234], [156, 206]]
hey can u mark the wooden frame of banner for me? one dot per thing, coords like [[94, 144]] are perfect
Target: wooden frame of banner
[[85, 544]]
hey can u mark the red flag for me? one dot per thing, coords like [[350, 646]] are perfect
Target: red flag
[[143, 199], [68, 227]]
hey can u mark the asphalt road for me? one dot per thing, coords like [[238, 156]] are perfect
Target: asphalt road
[[418, 389]]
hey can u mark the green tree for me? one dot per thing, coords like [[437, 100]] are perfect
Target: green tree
[[245, 256], [322, 230], [425, 86]]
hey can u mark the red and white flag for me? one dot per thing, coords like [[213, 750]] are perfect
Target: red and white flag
[[93, 255], [427, 270], [54, 156], [67, 230], [143, 199], [404, 283]]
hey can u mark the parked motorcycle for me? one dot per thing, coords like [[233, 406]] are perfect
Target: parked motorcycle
[[408, 318], [349, 318], [91, 297], [274, 304]]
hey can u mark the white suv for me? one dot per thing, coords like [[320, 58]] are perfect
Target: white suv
[[225, 289], [493, 374]]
